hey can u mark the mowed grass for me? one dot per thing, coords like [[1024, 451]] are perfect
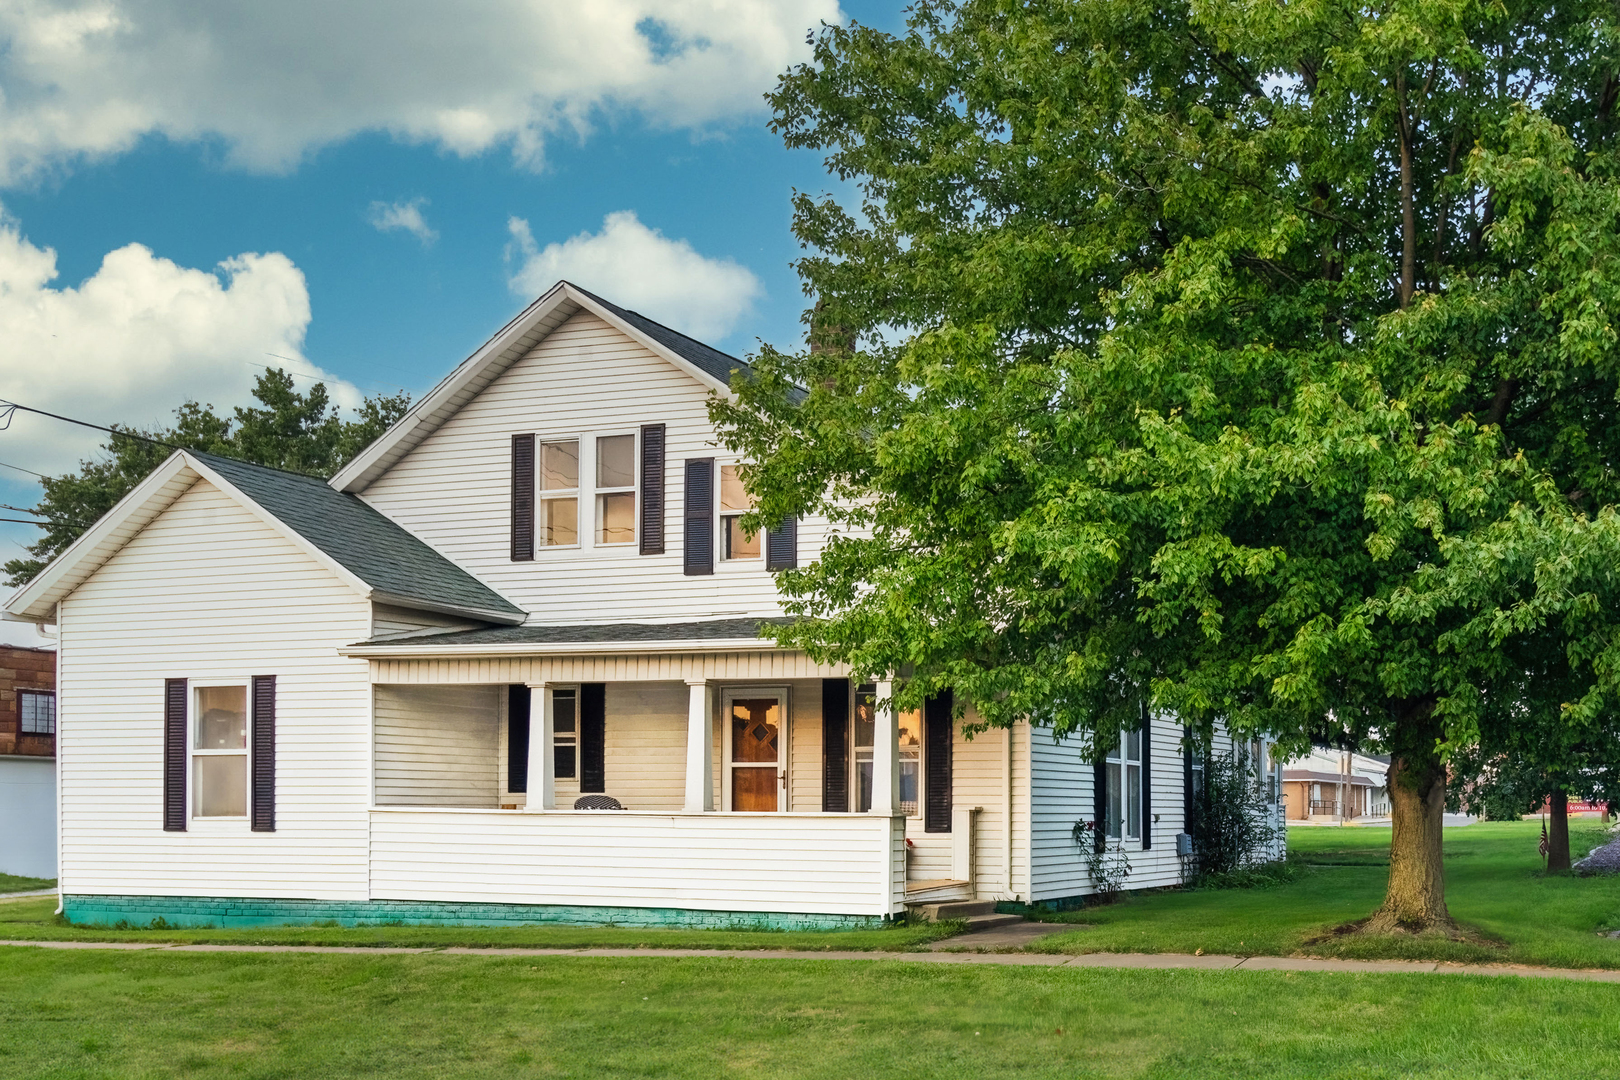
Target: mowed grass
[[136, 1015], [1494, 886], [10, 883]]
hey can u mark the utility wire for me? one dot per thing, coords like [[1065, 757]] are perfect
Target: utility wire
[[19, 468], [10, 407], [36, 513], [26, 521]]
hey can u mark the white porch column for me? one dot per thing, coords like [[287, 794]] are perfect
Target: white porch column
[[699, 746], [885, 754], [542, 762]]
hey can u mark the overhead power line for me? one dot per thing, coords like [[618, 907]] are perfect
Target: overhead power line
[[8, 408], [36, 513], [19, 468]]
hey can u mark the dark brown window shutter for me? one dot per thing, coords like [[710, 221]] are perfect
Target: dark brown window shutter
[[652, 489], [263, 799], [835, 745], [1099, 799], [697, 542], [174, 755], [517, 738], [1147, 778], [782, 545], [522, 498], [937, 763], [593, 737]]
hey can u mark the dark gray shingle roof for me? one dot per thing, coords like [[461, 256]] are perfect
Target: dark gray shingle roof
[[708, 359], [363, 541], [598, 634]]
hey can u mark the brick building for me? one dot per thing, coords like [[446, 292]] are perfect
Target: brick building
[[28, 761], [27, 701]]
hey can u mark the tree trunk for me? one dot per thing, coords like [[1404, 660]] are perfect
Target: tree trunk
[[1415, 900], [1558, 832]]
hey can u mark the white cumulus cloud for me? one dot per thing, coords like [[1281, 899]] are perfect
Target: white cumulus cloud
[[639, 268], [136, 338], [404, 216], [273, 81]]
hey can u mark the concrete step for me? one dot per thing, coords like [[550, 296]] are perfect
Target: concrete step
[[954, 909], [975, 923]]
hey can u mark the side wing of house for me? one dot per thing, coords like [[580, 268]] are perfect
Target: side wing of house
[[208, 593], [1143, 820], [587, 437]]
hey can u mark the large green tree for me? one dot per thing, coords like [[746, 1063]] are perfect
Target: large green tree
[[299, 432], [1251, 358]]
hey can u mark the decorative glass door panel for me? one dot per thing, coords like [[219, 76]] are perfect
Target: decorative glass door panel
[[755, 730]]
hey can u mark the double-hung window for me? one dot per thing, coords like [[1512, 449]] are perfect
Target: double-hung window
[[1123, 767], [910, 740], [735, 544], [36, 712], [559, 493], [565, 733], [616, 489], [219, 752]]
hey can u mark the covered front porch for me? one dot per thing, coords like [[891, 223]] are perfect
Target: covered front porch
[[751, 789]]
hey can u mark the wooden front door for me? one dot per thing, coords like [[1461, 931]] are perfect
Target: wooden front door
[[756, 741]]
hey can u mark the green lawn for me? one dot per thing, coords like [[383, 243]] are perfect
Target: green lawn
[[135, 1015], [12, 883], [1494, 885]]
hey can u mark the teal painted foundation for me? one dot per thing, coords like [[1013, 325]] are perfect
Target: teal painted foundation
[[228, 911]]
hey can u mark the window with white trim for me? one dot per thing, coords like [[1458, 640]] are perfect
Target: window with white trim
[[615, 489], [36, 712], [735, 544], [1123, 767], [219, 751], [559, 493], [565, 733]]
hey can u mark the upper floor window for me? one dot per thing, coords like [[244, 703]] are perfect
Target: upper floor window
[[616, 489], [559, 493], [734, 503], [36, 711]]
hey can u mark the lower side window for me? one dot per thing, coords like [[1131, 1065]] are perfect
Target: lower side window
[[565, 733], [219, 757], [1124, 802]]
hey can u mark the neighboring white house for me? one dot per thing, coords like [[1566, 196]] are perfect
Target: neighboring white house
[[380, 698]]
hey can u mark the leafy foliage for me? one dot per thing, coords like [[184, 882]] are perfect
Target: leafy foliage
[[301, 433], [1108, 865], [1235, 828], [1256, 359]]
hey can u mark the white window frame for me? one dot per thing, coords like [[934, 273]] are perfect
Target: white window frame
[[193, 717], [784, 735], [583, 529], [1118, 758], [633, 490], [561, 739], [721, 531]]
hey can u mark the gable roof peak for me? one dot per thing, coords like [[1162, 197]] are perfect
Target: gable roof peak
[[709, 366]]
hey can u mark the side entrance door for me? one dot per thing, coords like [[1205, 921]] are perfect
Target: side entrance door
[[755, 749]]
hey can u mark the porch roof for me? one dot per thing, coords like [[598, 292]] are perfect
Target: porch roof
[[705, 636], [1309, 775]]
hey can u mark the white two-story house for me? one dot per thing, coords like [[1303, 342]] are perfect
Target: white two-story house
[[507, 667]]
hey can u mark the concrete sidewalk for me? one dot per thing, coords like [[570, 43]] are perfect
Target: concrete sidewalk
[[1156, 961]]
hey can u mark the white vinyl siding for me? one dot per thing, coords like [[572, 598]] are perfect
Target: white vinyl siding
[[706, 862], [390, 621], [454, 490], [436, 746], [208, 592]]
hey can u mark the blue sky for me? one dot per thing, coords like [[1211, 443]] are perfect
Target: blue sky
[[372, 190]]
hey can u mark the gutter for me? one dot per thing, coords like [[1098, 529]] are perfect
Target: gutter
[[556, 648]]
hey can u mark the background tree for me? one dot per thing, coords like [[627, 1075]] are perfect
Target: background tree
[[1201, 345], [301, 433]]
